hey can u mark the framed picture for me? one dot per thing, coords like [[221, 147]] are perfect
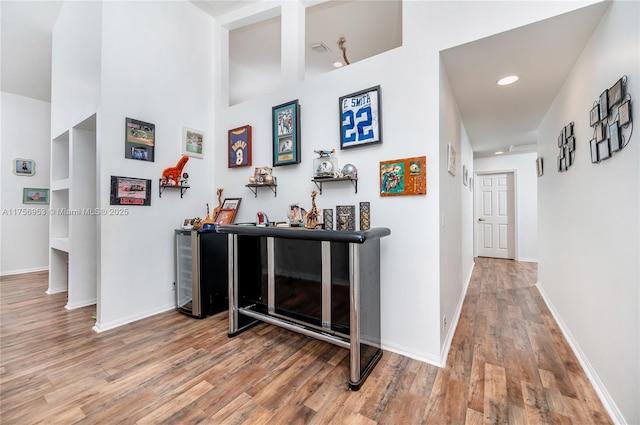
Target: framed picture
[[465, 175], [624, 113], [192, 142], [403, 177], [539, 168], [24, 167], [225, 216], [470, 184], [346, 217], [231, 203], [603, 150], [594, 116], [568, 131], [140, 140], [604, 105], [615, 93], [614, 137], [360, 118], [240, 147], [451, 159], [561, 139], [594, 151], [286, 133], [599, 132], [130, 191], [35, 196]]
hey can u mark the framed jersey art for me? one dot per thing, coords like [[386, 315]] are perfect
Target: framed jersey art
[[360, 118], [240, 147]]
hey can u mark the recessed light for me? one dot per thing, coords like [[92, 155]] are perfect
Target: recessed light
[[337, 64], [498, 153], [507, 80]]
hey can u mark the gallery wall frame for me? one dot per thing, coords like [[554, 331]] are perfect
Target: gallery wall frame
[[24, 167], [286, 133], [403, 177], [130, 191], [360, 118], [140, 140], [451, 159], [239, 146], [31, 195], [192, 142]]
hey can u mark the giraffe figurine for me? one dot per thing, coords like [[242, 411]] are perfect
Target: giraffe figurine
[[219, 207], [314, 213]]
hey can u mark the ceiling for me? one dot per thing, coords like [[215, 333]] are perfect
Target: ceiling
[[495, 118]]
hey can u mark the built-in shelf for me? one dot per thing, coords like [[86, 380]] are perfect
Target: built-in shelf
[[162, 187], [319, 181], [254, 188], [61, 244], [62, 184]]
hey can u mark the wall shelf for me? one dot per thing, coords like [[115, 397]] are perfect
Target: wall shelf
[[162, 187], [254, 188], [319, 181]]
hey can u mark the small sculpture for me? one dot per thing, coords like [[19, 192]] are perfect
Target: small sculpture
[[171, 175], [208, 222], [219, 207], [314, 213]]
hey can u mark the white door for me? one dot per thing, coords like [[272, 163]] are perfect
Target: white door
[[494, 206]]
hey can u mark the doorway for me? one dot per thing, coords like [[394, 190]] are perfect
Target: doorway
[[495, 215]]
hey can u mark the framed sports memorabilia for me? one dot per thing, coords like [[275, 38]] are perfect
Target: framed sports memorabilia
[[286, 133], [140, 140], [192, 142], [130, 191], [240, 147], [360, 118], [403, 177]]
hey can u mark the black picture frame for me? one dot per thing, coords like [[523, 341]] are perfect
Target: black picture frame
[[614, 137], [568, 131], [624, 113], [130, 191], [603, 150], [594, 151], [140, 140], [615, 93], [286, 133], [600, 134], [360, 118], [561, 139], [604, 105], [594, 115]]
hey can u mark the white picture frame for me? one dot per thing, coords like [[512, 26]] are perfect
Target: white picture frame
[[451, 159], [193, 142]]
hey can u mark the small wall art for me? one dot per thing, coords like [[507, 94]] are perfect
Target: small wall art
[[130, 191], [539, 169], [286, 133], [465, 175], [192, 142], [403, 177], [566, 146], [346, 217], [24, 167], [140, 140], [35, 195], [365, 215], [360, 118], [451, 159], [239, 146]]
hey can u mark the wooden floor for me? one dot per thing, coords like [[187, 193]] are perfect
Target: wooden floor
[[508, 364]]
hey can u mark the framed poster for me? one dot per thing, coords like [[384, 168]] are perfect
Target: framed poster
[[24, 167], [451, 159], [140, 140], [403, 177], [286, 133], [35, 196], [360, 118], [240, 147], [130, 191], [192, 142]]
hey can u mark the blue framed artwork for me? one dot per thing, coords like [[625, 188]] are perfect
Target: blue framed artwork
[[360, 118], [286, 133]]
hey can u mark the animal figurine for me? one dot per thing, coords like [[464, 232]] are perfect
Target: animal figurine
[[207, 222], [314, 213], [171, 175], [219, 207]]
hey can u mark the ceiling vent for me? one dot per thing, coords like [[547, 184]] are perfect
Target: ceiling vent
[[319, 47]]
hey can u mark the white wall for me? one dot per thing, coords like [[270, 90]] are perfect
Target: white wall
[[589, 219], [24, 126], [526, 190]]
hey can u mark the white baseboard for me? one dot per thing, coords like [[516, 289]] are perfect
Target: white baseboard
[[528, 260], [31, 270], [101, 327], [80, 304], [412, 353], [603, 394]]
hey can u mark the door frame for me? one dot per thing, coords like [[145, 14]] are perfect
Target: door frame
[[476, 184]]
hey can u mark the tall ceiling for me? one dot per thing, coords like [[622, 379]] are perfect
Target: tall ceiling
[[495, 118]]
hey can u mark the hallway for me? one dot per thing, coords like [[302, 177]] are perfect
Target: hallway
[[508, 363]]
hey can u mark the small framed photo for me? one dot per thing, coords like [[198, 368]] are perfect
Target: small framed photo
[[568, 131], [600, 132], [561, 139], [465, 175], [231, 203], [35, 196], [286, 133], [451, 159], [604, 105], [624, 113], [603, 150], [239, 140], [539, 168], [360, 118], [225, 216], [24, 167], [140, 140], [346, 217], [614, 137], [130, 191], [594, 116], [192, 142], [594, 151], [571, 143], [615, 93]]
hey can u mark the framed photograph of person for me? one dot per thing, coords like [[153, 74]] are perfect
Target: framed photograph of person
[[35, 196], [360, 118], [594, 116], [140, 140], [286, 133], [624, 113], [24, 167], [192, 142], [239, 140], [616, 92]]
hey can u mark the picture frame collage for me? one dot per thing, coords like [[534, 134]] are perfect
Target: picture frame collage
[[567, 147]]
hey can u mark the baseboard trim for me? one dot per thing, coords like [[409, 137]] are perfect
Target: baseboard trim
[[31, 270], [528, 260], [601, 390], [456, 317], [102, 327], [412, 354]]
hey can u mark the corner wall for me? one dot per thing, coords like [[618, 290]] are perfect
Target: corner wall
[[589, 219]]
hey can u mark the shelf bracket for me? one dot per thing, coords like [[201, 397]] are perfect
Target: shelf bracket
[[254, 188], [318, 183], [162, 187]]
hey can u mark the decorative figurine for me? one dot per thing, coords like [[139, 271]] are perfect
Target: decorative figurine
[[208, 222], [314, 213], [184, 181], [171, 175], [219, 207], [325, 165]]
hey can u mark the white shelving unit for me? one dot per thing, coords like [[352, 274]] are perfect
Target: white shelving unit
[[73, 221]]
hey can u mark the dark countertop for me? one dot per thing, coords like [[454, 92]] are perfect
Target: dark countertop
[[308, 234]]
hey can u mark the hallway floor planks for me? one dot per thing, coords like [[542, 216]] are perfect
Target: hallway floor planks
[[508, 363]]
